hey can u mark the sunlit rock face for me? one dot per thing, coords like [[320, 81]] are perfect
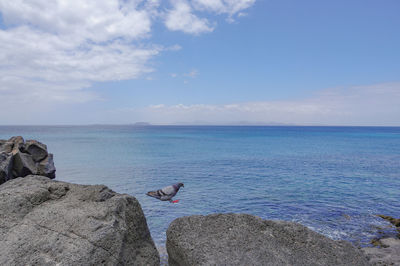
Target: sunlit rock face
[[242, 239], [47, 222]]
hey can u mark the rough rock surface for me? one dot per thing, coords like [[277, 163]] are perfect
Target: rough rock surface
[[394, 221], [45, 222], [241, 239], [387, 249], [387, 254], [6, 164], [19, 158]]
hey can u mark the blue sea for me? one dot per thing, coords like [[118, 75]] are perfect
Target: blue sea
[[330, 179]]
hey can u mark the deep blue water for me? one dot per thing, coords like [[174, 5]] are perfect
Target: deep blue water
[[331, 179]]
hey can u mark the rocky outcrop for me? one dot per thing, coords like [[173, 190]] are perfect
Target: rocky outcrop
[[19, 158], [394, 221], [45, 222], [386, 250], [241, 239]]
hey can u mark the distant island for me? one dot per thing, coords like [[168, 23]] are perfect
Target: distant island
[[142, 124]]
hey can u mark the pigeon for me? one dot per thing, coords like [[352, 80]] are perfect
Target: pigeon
[[167, 193]]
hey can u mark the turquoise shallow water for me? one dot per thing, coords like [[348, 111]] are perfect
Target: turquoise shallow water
[[331, 179]]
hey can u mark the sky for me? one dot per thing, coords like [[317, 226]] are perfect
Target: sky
[[217, 62]]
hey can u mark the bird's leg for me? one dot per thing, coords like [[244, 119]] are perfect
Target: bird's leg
[[174, 201]]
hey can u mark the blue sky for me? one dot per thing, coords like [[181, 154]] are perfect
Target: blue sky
[[201, 61]]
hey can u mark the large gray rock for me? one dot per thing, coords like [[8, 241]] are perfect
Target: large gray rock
[[241, 239], [19, 158], [45, 222]]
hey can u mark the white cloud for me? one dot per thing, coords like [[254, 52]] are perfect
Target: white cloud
[[95, 20], [359, 105], [191, 74], [230, 7], [182, 18], [53, 50]]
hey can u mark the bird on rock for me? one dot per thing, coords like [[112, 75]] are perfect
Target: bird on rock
[[167, 193]]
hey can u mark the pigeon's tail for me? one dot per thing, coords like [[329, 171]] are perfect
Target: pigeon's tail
[[153, 194]]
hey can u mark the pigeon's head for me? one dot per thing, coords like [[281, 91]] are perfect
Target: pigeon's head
[[180, 185]]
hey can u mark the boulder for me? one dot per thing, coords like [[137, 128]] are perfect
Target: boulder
[[6, 146], [23, 164], [241, 239], [6, 164], [45, 222], [46, 167], [19, 158], [37, 150], [18, 144]]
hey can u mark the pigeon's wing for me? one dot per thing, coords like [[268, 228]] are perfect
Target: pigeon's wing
[[154, 194], [168, 192]]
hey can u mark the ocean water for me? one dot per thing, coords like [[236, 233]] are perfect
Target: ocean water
[[330, 179]]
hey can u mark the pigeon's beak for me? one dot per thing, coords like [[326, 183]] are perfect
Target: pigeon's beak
[[183, 185]]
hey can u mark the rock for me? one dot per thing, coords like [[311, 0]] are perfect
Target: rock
[[394, 221], [18, 144], [46, 167], [6, 146], [37, 150], [19, 159], [387, 254], [23, 164], [45, 222], [241, 239], [6, 164], [386, 250]]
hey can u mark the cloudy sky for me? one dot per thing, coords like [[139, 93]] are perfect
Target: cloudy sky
[[308, 62]]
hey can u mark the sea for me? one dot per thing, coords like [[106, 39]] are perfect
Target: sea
[[334, 180]]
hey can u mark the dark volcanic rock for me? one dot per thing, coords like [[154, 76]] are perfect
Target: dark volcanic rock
[[6, 146], [19, 158], [6, 164], [24, 164], [46, 167], [241, 239], [37, 150], [45, 222], [394, 221], [18, 144]]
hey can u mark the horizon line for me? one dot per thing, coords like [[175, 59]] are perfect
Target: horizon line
[[191, 125]]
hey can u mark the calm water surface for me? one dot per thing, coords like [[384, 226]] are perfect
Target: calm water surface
[[331, 179]]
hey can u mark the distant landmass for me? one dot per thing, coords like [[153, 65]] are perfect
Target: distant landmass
[[233, 123], [142, 124]]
